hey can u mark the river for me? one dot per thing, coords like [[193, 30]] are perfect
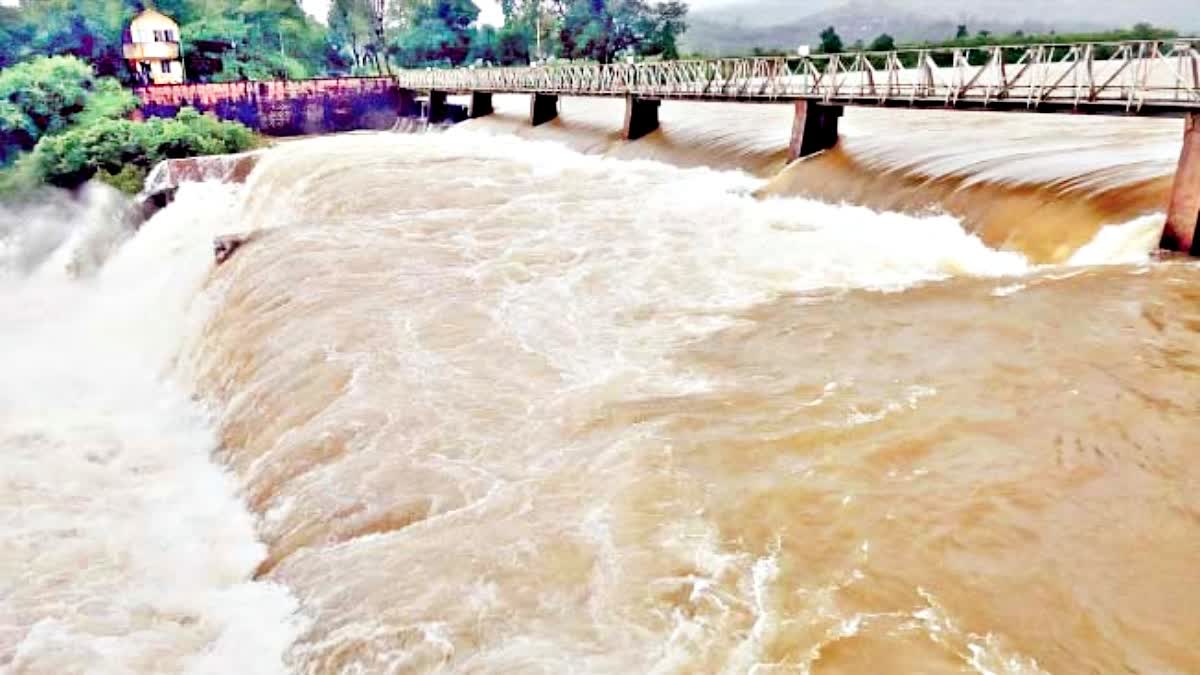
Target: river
[[501, 399]]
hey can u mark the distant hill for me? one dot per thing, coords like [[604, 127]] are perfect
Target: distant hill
[[1180, 14], [785, 24]]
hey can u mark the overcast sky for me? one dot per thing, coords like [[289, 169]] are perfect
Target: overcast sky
[[489, 9]]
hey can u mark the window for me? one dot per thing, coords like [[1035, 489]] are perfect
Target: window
[[145, 66], [166, 67], [169, 35], [158, 36]]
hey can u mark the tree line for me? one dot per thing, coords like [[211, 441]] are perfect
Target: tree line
[[432, 33], [831, 42], [62, 125], [226, 40]]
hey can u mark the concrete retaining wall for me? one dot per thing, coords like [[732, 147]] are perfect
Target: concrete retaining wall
[[284, 108]]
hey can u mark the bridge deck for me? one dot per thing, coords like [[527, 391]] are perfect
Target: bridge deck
[[1124, 78]]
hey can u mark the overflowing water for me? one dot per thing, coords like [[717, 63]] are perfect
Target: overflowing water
[[126, 548], [513, 400]]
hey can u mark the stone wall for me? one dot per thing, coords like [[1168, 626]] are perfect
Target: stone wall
[[284, 108]]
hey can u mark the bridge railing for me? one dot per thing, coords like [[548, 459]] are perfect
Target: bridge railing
[[1115, 75]]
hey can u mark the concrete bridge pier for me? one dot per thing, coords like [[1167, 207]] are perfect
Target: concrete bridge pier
[[407, 104], [1183, 214], [481, 105], [542, 108], [438, 110], [641, 117], [814, 128]]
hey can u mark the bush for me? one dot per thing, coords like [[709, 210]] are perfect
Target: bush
[[130, 179], [109, 100], [41, 97], [121, 151], [47, 96]]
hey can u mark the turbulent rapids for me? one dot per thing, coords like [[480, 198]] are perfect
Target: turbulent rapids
[[503, 399]]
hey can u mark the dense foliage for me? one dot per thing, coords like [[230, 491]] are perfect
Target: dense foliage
[[62, 125], [122, 151], [436, 32], [225, 40], [424, 33], [831, 43], [1142, 31], [222, 39], [46, 95], [255, 40], [63, 110]]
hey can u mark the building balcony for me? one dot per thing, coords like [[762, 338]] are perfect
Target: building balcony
[[139, 51]]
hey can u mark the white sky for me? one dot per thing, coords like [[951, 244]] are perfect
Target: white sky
[[489, 10]]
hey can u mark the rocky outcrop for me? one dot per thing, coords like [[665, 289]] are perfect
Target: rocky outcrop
[[168, 175]]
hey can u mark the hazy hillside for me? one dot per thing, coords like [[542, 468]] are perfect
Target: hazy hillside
[[1183, 14], [784, 24]]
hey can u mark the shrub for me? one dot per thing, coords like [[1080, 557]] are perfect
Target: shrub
[[121, 151], [129, 179], [47, 96], [41, 97], [109, 100]]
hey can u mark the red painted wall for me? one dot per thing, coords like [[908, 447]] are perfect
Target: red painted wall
[[283, 108]]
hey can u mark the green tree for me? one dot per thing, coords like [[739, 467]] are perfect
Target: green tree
[[1145, 31], [602, 30], [435, 32], [16, 33], [250, 38], [122, 151], [831, 42], [255, 40], [352, 33], [182, 11], [883, 43], [41, 97], [513, 46], [666, 22], [88, 29], [485, 45], [962, 33], [534, 21]]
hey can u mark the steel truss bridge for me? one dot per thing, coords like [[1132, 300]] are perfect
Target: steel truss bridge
[[1160, 77]]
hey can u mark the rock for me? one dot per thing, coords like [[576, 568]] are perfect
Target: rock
[[166, 177], [225, 246]]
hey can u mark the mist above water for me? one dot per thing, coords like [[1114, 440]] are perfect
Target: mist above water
[[126, 548]]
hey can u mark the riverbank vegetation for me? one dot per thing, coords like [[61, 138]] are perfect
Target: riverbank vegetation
[[64, 105], [221, 39], [229, 40], [62, 125], [831, 42], [438, 33]]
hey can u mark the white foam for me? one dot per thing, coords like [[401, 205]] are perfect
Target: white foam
[[1124, 243], [61, 235], [126, 549]]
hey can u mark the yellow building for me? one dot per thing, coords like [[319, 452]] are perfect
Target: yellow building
[[152, 48]]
